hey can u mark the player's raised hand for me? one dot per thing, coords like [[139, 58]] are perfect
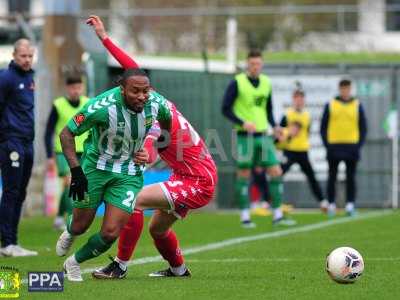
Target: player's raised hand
[[98, 26]]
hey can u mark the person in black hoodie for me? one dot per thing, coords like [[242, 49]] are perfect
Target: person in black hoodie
[[343, 132], [16, 143]]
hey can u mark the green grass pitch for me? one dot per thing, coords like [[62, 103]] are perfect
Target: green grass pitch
[[229, 262]]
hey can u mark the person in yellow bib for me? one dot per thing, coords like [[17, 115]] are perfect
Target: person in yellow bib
[[248, 104], [343, 132], [296, 148], [64, 108]]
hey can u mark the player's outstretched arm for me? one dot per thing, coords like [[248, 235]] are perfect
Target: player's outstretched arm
[[68, 146], [121, 56]]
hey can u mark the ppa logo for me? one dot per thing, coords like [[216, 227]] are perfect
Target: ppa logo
[[45, 281]]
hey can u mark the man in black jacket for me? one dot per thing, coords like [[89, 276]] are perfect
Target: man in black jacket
[[343, 132], [16, 143]]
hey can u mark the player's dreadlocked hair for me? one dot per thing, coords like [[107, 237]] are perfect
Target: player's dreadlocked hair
[[129, 73]]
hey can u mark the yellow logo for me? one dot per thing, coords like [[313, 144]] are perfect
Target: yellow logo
[[10, 282], [148, 121]]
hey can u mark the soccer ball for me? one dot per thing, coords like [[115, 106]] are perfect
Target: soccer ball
[[344, 265]]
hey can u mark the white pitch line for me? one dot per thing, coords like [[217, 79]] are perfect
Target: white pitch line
[[257, 237], [277, 259], [262, 236]]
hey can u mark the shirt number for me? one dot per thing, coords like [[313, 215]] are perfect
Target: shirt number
[[186, 125], [129, 201]]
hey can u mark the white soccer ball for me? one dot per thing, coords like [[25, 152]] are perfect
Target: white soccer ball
[[344, 265]]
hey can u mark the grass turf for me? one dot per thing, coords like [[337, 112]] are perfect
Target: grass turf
[[286, 267], [290, 57]]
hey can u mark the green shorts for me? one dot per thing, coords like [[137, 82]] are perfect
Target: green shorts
[[62, 164], [255, 151], [119, 190]]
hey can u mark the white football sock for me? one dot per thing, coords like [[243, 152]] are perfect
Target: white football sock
[[277, 213], [179, 270], [123, 264], [349, 206], [244, 215], [265, 205], [72, 259], [254, 205]]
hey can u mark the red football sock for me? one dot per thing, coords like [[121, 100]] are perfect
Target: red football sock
[[130, 235], [168, 246]]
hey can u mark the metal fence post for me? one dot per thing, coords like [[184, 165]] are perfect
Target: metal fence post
[[231, 42], [395, 142]]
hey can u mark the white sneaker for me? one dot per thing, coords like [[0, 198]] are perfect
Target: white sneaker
[[350, 209], [7, 251], [64, 243], [331, 209], [17, 251], [59, 224], [248, 224], [284, 221], [323, 205], [72, 269]]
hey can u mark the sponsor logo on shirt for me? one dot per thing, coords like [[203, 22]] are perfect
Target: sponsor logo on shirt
[[148, 121], [78, 119], [121, 125]]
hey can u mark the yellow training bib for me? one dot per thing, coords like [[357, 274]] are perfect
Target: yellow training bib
[[343, 125], [300, 142]]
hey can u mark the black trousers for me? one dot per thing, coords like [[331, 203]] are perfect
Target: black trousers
[[351, 189], [302, 159], [260, 180], [16, 160]]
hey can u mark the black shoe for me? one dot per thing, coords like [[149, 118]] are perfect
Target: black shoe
[[169, 273], [112, 271], [283, 221], [248, 224]]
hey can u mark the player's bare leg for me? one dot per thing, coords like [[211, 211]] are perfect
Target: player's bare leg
[[114, 220], [128, 239], [153, 197], [77, 224]]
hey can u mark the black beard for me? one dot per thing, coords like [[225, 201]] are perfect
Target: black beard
[[135, 109]]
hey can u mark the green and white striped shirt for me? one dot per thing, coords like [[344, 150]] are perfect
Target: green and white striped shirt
[[115, 131]]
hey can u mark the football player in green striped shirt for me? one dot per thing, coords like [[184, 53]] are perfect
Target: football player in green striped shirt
[[118, 120]]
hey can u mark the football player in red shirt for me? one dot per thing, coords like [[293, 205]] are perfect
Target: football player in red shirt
[[191, 185]]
